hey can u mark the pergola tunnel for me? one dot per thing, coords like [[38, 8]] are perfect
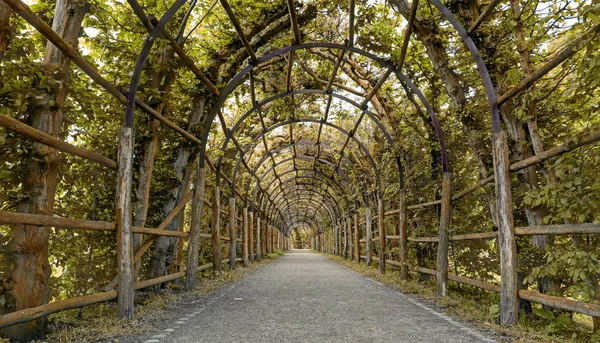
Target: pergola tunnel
[[399, 135]]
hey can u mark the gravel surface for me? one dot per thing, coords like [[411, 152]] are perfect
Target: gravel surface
[[305, 297]]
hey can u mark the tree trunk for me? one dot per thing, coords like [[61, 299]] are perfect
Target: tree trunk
[[28, 270], [165, 247]]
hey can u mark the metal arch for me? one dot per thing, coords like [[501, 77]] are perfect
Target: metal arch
[[304, 143], [307, 216], [292, 158], [143, 56], [303, 219], [306, 169], [301, 157], [259, 105], [287, 146], [267, 206], [337, 211], [305, 120], [325, 197], [483, 72], [276, 193], [314, 205], [237, 80]]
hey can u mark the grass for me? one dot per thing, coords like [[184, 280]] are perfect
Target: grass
[[474, 305], [99, 322]]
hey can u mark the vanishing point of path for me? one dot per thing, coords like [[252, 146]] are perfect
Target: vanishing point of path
[[305, 297]]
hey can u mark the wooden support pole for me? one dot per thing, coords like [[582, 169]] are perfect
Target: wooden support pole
[[381, 225], [334, 238], [369, 234], [509, 302], [195, 225], [245, 237], [345, 241], [350, 238], [356, 239], [251, 235], [402, 242], [232, 233], [123, 225], [44, 138], [216, 235], [442, 253], [258, 245], [263, 241]]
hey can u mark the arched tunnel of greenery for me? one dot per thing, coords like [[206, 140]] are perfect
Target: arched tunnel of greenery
[[146, 141]]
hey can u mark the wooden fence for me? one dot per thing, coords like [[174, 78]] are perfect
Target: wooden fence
[[343, 239]]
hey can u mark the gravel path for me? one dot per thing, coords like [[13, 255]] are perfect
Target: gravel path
[[305, 297]]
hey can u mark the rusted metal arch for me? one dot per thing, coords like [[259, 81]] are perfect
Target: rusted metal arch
[[309, 120], [287, 160], [309, 189], [303, 157], [301, 176], [312, 188], [257, 107], [273, 196], [296, 189], [282, 189], [300, 120], [237, 80], [314, 204], [481, 67], [143, 56], [257, 137], [309, 217], [268, 208], [298, 157], [302, 218], [290, 145]]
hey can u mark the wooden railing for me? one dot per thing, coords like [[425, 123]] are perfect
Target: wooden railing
[[328, 240]]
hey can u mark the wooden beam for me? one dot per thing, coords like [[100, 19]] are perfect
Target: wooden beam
[[191, 269], [380, 221], [123, 225], [509, 302], [442, 251], [565, 229], [44, 138]]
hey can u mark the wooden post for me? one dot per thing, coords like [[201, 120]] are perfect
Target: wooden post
[[350, 235], [251, 235], [369, 240], [195, 224], [356, 239], [267, 238], [263, 240], [345, 228], [258, 251], [334, 239], [232, 233], [445, 217], [216, 234], [245, 237], [509, 302], [123, 225], [402, 238], [381, 234]]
